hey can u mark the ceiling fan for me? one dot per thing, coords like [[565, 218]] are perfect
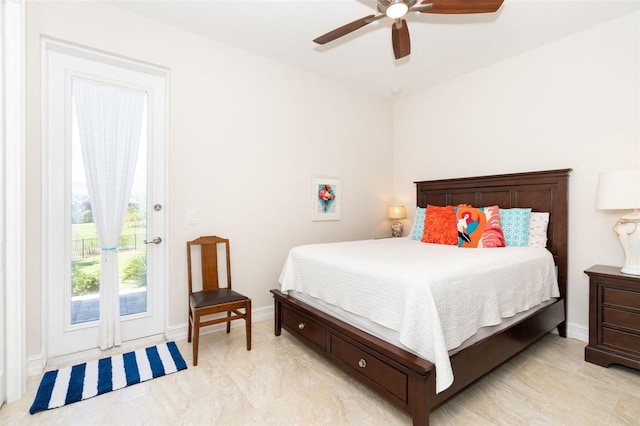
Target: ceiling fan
[[397, 9]]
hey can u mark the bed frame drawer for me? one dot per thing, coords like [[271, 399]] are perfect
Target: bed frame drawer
[[304, 326], [382, 374]]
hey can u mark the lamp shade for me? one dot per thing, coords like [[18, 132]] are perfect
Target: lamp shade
[[619, 190], [397, 212]]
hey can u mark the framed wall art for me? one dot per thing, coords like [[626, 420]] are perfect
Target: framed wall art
[[325, 199]]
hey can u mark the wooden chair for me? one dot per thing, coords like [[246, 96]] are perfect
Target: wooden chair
[[213, 299]]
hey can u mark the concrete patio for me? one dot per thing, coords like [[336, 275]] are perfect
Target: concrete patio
[[87, 308]]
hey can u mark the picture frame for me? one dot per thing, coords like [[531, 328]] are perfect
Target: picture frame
[[326, 194]]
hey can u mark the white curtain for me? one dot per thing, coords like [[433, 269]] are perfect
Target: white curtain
[[109, 120]]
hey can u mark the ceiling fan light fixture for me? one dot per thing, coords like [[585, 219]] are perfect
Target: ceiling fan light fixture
[[397, 9]]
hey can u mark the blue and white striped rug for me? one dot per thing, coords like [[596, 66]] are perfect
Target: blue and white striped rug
[[83, 381]]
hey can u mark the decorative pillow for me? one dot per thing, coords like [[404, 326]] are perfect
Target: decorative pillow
[[418, 224], [538, 224], [515, 226], [440, 225], [479, 227]]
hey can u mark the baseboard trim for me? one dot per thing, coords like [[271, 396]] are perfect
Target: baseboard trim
[[35, 365], [577, 331], [258, 314]]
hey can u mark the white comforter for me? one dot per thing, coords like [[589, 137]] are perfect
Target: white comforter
[[434, 296]]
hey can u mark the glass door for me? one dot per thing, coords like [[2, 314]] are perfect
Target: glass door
[[71, 252]]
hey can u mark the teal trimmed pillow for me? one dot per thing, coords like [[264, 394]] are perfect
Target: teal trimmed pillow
[[418, 224], [515, 226]]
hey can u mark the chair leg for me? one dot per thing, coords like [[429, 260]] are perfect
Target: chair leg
[[190, 325], [196, 337], [228, 322], [248, 323]]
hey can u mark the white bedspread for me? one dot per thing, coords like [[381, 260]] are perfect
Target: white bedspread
[[434, 296]]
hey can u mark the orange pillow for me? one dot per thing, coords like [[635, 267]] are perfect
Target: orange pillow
[[440, 225]]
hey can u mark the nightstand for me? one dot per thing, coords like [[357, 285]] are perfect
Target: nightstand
[[614, 317]]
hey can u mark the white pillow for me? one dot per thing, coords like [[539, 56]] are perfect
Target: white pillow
[[538, 223]]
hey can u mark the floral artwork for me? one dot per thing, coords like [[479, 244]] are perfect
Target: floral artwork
[[325, 199], [326, 196]]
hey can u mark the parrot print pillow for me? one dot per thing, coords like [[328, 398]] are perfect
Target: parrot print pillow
[[479, 227]]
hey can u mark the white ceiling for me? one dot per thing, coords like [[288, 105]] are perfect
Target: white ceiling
[[442, 46]]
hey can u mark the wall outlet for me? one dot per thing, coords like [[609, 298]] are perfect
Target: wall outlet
[[191, 217]]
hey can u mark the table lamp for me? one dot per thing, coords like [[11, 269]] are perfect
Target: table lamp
[[620, 190], [396, 213]]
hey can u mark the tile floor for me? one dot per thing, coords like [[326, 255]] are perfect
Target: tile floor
[[282, 382]]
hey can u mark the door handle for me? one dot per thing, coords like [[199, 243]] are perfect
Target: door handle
[[156, 240]]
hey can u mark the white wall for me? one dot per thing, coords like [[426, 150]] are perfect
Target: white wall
[[573, 103], [246, 136]]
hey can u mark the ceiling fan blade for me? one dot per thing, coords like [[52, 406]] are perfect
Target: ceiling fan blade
[[345, 29], [400, 39], [376, 18], [422, 8], [462, 6]]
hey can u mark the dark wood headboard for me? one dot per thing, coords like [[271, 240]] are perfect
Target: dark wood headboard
[[544, 191]]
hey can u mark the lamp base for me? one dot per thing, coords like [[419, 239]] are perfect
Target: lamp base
[[629, 235], [396, 229], [632, 270]]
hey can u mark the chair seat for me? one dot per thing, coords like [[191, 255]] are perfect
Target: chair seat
[[202, 299]]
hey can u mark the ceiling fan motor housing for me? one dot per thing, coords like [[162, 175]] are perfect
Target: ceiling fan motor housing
[[383, 5]]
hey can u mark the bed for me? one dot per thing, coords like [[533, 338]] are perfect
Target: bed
[[399, 375]]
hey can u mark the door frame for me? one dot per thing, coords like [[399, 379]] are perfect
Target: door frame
[[49, 45], [13, 371]]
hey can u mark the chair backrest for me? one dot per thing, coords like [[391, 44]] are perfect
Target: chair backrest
[[209, 261]]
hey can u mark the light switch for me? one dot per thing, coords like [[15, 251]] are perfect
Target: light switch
[[191, 217]]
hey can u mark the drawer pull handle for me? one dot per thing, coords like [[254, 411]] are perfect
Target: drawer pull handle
[[362, 363], [301, 326]]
